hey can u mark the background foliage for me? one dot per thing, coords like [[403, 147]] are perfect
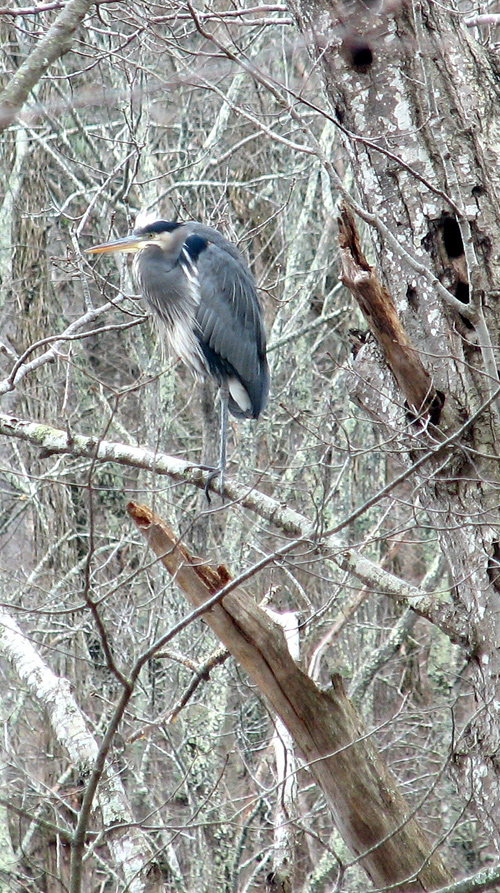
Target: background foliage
[[147, 112]]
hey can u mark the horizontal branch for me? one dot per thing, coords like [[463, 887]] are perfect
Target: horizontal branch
[[22, 367], [487, 879], [58, 442], [39, 9], [50, 827]]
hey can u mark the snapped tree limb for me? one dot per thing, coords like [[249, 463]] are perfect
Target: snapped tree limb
[[371, 814], [56, 441], [380, 313]]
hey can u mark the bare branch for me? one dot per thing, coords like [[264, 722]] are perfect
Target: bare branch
[[56, 42], [487, 879], [54, 440], [132, 850], [22, 368]]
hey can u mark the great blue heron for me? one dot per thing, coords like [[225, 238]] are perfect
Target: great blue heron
[[201, 288]]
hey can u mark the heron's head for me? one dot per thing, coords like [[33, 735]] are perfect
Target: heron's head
[[161, 233]]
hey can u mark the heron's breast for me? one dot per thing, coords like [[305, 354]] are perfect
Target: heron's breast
[[182, 342], [174, 298]]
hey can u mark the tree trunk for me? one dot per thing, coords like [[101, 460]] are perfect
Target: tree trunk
[[416, 100]]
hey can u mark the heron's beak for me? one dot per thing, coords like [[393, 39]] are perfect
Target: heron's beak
[[128, 243]]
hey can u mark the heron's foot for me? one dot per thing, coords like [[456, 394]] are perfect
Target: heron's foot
[[215, 472]]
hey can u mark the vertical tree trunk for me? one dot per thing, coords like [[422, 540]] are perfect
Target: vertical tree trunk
[[416, 100]]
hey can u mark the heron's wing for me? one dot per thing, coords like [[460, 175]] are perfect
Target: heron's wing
[[228, 314], [214, 237]]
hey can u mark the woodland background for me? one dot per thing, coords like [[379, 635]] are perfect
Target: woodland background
[[247, 117]]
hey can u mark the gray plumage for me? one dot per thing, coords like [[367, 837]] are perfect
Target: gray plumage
[[201, 288]]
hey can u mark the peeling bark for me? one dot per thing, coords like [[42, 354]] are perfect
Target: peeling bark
[[380, 313]]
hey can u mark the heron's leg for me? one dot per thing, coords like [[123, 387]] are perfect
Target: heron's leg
[[221, 470], [224, 400]]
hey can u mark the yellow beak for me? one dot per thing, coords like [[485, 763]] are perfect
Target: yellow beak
[[128, 243]]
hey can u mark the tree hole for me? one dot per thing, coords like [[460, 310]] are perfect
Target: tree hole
[[467, 323], [436, 406], [462, 292], [357, 53], [432, 409], [452, 237], [494, 564], [445, 244], [412, 297]]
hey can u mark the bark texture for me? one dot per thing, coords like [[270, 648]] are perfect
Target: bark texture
[[52, 46], [129, 845]]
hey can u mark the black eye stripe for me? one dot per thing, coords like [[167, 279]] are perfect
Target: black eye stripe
[[159, 226]]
